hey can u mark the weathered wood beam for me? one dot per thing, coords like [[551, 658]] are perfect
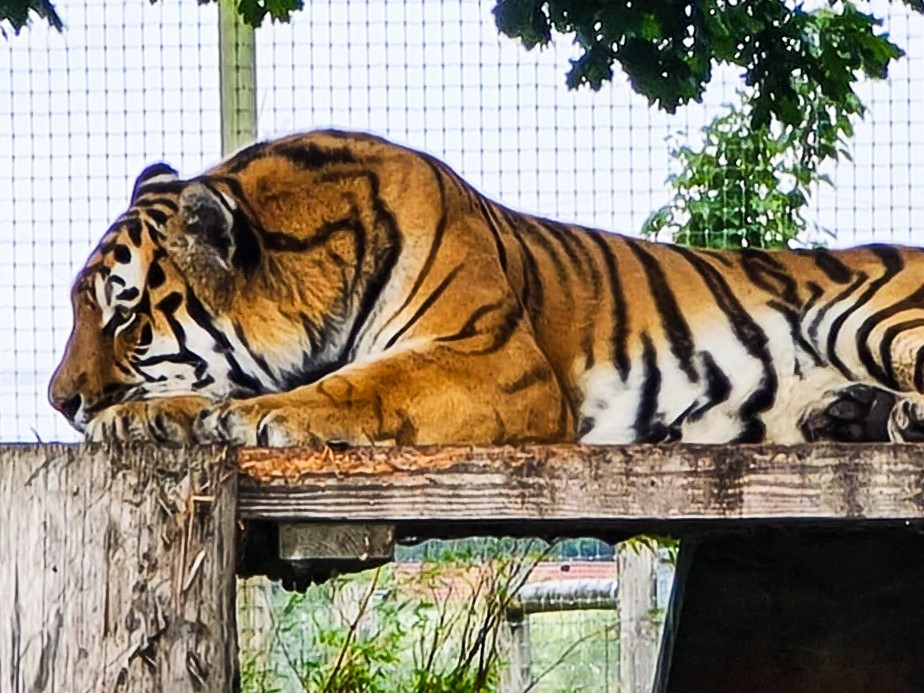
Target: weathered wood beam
[[639, 486], [117, 569]]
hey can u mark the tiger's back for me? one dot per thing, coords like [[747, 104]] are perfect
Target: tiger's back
[[336, 286]]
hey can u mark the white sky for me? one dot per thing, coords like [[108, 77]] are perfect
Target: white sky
[[129, 84]]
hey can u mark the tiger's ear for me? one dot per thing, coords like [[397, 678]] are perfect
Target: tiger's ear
[[207, 221], [200, 242], [155, 173]]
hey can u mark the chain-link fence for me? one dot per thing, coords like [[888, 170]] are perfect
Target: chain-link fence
[[128, 84]]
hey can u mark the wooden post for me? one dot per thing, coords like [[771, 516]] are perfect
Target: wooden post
[[638, 633], [238, 76], [117, 569], [516, 652]]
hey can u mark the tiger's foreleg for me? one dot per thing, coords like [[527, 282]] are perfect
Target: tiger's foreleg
[[424, 395]]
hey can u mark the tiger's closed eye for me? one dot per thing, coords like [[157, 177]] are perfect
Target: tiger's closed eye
[[123, 318]]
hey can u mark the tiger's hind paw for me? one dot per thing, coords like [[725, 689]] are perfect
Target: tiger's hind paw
[[854, 414]]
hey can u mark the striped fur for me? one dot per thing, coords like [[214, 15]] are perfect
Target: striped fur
[[335, 286]]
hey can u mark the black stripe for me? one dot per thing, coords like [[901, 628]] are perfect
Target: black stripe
[[386, 257], [540, 236], [207, 324], [158, 215], [169, 303], [919, 370], [768, 274], [537, 374], [434, 247], [749, 333], [500, 334], [795, 331], [236, 374], [823, 311], [723, 256], [572, 238], [242, 159], [672, 318], [892, 265], [233, 184], [424, 306], [815, 292], [620, 340], [718, 387], [248, 252], [128, 294], [310, 156], [491, 220], [169, 202], [278, 241], [885, 348], [121, 253], [833, 268], [156, 276], [146, 336], [647, 430], [533, 294], [469, 329], [912, 302], [133, 227]]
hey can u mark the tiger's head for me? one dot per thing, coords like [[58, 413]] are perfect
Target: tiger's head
[[248, 279]]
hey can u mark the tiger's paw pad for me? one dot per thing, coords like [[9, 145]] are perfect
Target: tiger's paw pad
[[859, 413]]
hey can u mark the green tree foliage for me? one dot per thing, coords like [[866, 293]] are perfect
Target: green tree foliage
[[668, 48], [254, 12], [15, 14]]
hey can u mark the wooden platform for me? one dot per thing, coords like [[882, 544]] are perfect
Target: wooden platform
[[577, 489], [115, 561]]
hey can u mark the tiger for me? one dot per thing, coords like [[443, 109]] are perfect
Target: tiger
[[336, 286]]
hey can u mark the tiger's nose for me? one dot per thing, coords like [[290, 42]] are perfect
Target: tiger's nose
[[69, 406]]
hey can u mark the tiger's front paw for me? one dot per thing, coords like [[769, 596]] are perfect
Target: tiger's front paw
[[250, 423], [167, 420]]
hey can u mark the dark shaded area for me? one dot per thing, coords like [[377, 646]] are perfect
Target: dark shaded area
[[775, 610]]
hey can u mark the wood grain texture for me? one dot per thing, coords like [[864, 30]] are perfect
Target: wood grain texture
[[116, 569], [548, 483]]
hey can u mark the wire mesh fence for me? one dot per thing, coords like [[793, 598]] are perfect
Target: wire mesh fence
[[126, 85], [129, 84]]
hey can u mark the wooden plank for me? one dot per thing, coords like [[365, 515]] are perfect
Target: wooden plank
[[539, 484], [337, 540], [116, 569]]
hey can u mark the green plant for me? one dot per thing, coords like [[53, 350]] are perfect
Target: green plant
[[747, 186], [430, 628]]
